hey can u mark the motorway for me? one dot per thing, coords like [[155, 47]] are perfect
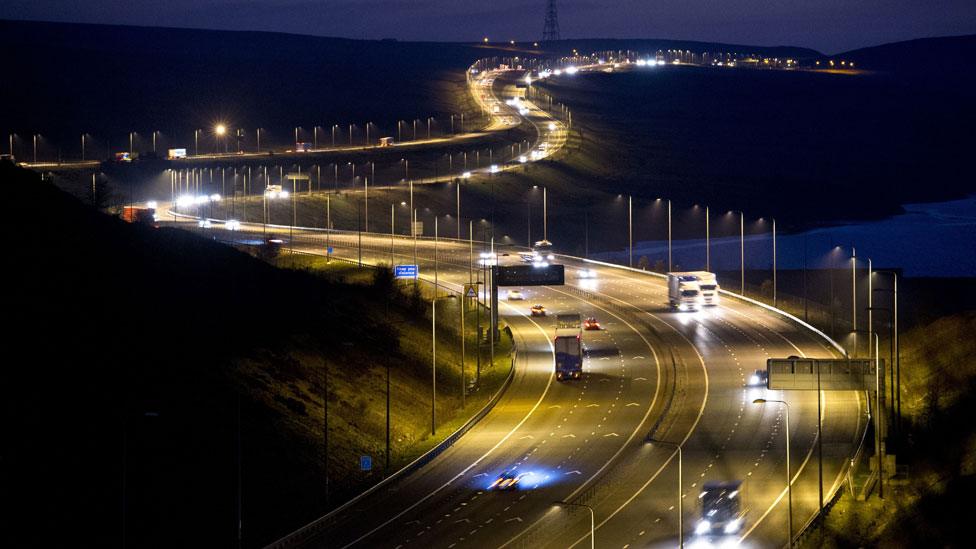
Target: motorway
[[677, 377], [584, 441]]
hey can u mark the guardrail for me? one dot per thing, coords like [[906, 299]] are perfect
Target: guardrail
[[316, 527]]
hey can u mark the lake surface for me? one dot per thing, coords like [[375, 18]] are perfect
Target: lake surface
[[933, 239]]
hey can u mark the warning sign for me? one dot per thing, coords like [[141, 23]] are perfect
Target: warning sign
[[471, 290]]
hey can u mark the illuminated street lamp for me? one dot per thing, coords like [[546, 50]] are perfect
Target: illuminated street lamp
[[789, 475], [681, 530], [592, 518], [219, 130], [334, 128]]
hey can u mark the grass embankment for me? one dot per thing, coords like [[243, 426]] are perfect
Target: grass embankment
[[140, 360], [931, 506]]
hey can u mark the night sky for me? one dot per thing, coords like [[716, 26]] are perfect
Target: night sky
[[830, 26]]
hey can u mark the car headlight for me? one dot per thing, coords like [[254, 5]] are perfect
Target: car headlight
[[703, 527], [754, 380], [732, 526]]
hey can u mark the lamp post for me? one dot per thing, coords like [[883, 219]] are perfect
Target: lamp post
[[774, 262], [196, 142], [878, 416], [896, 358], [545, 214], [708, 242], [742, 260], [681, 530], [82, 148], [592, 518], [429, 120], [334, 128], [630, 229], [219, 130], [789, 475]]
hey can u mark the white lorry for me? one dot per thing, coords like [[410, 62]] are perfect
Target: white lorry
[[683, 291], [708, 286]]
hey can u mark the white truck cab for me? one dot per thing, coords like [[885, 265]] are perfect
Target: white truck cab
[[708, 286], [684, 293]]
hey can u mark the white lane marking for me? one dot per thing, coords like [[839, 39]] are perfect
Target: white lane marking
[[525, 418], [611, 435], [632, 404], [657, 392], [514, 519], [525, 437], [573, 472]]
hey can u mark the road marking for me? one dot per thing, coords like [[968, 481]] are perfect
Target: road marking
[[632, 404], [521, 422], [611, 435], [514, 519]]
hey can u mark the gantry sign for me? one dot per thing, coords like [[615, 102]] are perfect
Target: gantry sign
[[522, 275], [823, 374]]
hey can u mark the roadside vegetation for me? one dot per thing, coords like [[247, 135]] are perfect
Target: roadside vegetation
[[929, 502], [163, 382]]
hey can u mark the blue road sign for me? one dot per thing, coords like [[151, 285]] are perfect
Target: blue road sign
[[329, 250], [405, 271], [365, 463]]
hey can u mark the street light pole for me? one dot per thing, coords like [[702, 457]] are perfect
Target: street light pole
[[896, 359], [789, 475], [592, 519], [433, 362], [774, 262], [545, 214], [669, 236], [630, 229], [742, 253], [681, 530], [708, 242]]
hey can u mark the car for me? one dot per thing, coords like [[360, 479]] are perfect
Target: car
[[759, 378], [204, 223], [508, 480], [587, 273], [538, 310], [515, 295], [591, 324]]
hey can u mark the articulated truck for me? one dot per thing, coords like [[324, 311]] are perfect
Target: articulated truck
[[690, 290], [569, 347]]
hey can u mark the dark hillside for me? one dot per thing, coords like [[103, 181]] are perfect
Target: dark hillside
[[111, 80], [138, 359], [942, 56]]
